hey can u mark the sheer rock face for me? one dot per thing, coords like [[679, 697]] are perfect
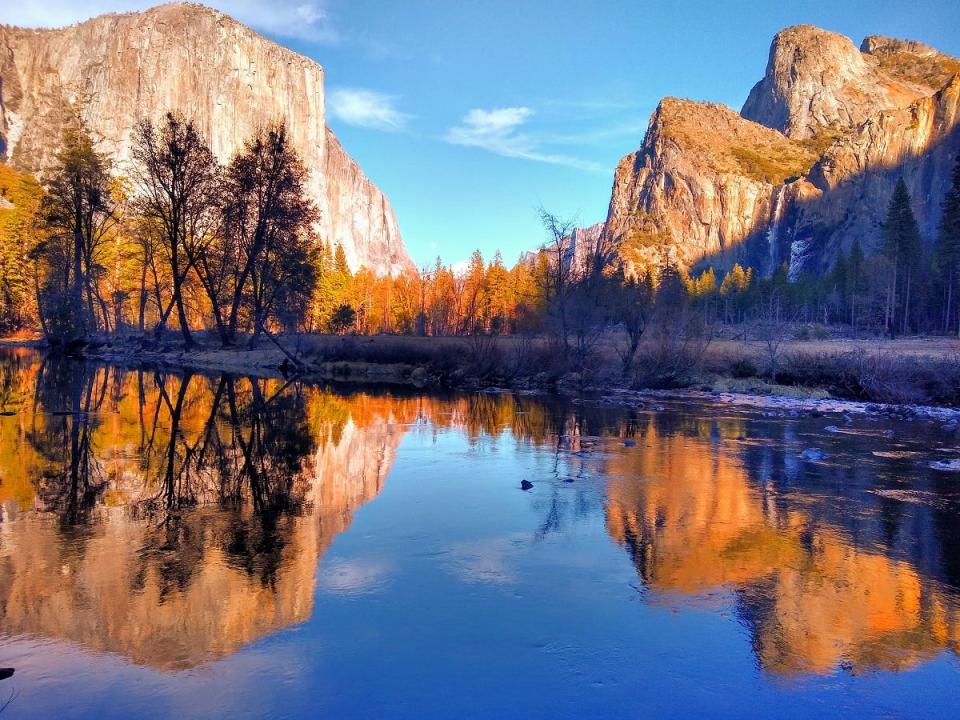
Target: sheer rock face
[[360, 210], [806, 167], [704, 182], [817, 79], [209, 67], [850, 187], [580, 247]]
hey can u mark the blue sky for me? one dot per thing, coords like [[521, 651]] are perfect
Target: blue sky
[[470, 114]]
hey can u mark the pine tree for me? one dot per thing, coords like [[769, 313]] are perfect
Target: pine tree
[[902, 246], [947, 252], [78, 209], [856, 279], [839, 283]]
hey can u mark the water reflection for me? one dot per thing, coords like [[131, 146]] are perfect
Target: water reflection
[[174, 518], [171, 519], [693, 519]]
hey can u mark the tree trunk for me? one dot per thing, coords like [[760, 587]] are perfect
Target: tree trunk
[[142, 310], [178, 300], [77, 290]]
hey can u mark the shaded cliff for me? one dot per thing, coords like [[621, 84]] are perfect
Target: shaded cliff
[[227, 78], [807, 167]]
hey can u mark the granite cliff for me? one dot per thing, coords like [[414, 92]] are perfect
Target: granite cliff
[[226, 77], [807, 166]]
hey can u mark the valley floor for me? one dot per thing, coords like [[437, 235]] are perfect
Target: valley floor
[[812, 374]]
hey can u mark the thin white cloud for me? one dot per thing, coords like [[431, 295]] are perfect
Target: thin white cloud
[[601, 135], [499, 131], [366, 108], [300, 19]]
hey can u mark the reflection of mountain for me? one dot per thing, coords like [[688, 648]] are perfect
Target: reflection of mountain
[[175, 519], [176, 562], [686, 509]]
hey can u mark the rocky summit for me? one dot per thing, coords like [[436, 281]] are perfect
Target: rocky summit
[[217, 72], [805, 169]]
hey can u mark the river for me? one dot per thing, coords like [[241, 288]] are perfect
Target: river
[[204, 546]]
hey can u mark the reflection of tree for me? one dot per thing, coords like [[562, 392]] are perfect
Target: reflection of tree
[[69, 394], [194, 510], [232, 487], [225, 442], [236, 443]]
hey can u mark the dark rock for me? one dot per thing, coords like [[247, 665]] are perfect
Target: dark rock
[[525, 485]]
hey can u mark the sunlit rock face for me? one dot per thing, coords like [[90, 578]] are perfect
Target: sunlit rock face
[[173, 564], [358, 209], [578, 251], [817, 79], [202, 63], [703, 183], [694, 523], [805, 169]]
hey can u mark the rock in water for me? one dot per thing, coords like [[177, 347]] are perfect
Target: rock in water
[[225, 77], [525, 485], [813, 454]]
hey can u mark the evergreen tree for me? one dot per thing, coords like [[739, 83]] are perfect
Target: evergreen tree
[[856, 280], [902, 246], [78, 210], [947, 252], [19, 233], [839, 284]]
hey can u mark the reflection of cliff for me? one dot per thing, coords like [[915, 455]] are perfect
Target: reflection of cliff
[[688, 513], [174, 519], [170, 598], [214, 502]]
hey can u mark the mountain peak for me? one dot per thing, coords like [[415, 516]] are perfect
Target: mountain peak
[[814, 79], [228, 79], [818, 81]]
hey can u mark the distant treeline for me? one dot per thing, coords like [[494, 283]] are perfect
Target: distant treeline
[[185, 243]]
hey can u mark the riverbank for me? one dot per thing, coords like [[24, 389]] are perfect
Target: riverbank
[[850, 377]]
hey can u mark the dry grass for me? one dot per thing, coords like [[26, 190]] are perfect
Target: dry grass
[[727, 143], [909, 370], [932, 72]]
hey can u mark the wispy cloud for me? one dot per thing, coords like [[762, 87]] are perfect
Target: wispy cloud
[[301, 19], [601, 135], [367, 108], [499, 131]]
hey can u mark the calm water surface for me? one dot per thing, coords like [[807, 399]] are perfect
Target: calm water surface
[[197, 546]]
